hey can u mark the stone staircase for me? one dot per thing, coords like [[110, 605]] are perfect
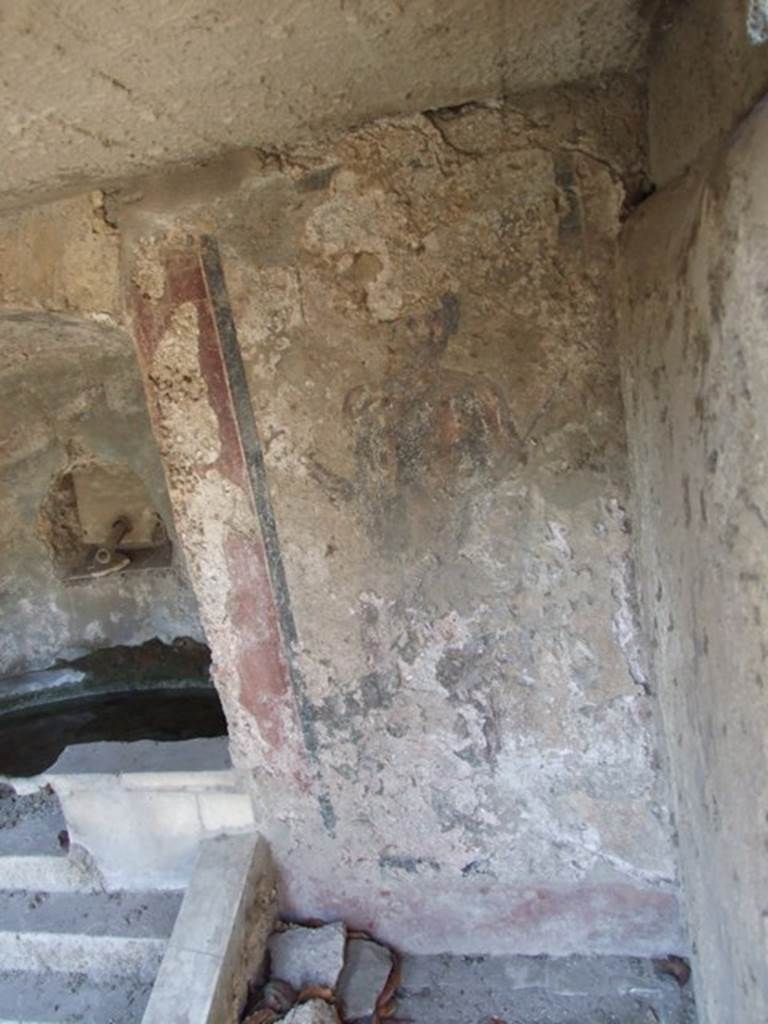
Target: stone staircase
[[87, 906], [69, 950]]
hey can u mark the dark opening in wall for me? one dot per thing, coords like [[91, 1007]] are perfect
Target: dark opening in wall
[[153, 691]]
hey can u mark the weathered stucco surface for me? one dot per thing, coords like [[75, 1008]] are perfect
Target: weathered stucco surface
[[425, 314], [695, 267], [70, 393], [61, 256], [705, 73], [96, 92]]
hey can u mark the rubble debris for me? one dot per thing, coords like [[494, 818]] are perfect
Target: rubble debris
[[270, 1002], [323, 974], [367, 967], [316, 992], [278, 995], [386, 1004], [316, 1011], [675, 966], [264, 1016], [307, 957]]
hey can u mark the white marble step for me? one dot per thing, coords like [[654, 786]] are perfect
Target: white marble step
[[140, 830]]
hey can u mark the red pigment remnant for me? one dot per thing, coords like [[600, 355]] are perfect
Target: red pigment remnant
[[505, 918], [251, 641], [185, 284], [262, 671]]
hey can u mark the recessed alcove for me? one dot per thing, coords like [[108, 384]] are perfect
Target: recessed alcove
[[97, 519], [88, 655]]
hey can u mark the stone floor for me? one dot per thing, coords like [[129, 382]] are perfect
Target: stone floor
[[360, 975], [538, 990]]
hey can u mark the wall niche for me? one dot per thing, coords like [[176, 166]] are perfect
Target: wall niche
[[98, 519]]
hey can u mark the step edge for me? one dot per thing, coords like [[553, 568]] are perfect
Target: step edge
[[184, 780], [25, 1020], [99, 956], [20, 872], [122, 940]]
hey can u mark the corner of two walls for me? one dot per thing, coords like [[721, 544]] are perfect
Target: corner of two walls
[[694, 323]]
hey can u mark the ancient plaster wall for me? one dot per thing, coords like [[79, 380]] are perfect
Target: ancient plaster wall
[[425, 313], [695, 265], [706, 71], [70, 393]]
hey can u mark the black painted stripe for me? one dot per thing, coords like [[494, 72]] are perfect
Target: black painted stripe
[[254, 457]]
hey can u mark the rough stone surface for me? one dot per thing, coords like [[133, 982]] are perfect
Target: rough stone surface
[[91, 91], [62, 256], [695, 263], [308, 956], [425, 313], [705, 75], [70, 394], [367, 966], [757, 22], [315, 1011], [30, 824]]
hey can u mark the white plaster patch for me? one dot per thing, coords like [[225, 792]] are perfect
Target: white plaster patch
[[757, 22], [558, 538], [352, 226], [624, 623], [190, 426], [274, 309]]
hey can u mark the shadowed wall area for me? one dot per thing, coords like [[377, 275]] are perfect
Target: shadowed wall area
[[70, 396]]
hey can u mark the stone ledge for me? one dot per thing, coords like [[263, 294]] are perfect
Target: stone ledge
[[220, 937]]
